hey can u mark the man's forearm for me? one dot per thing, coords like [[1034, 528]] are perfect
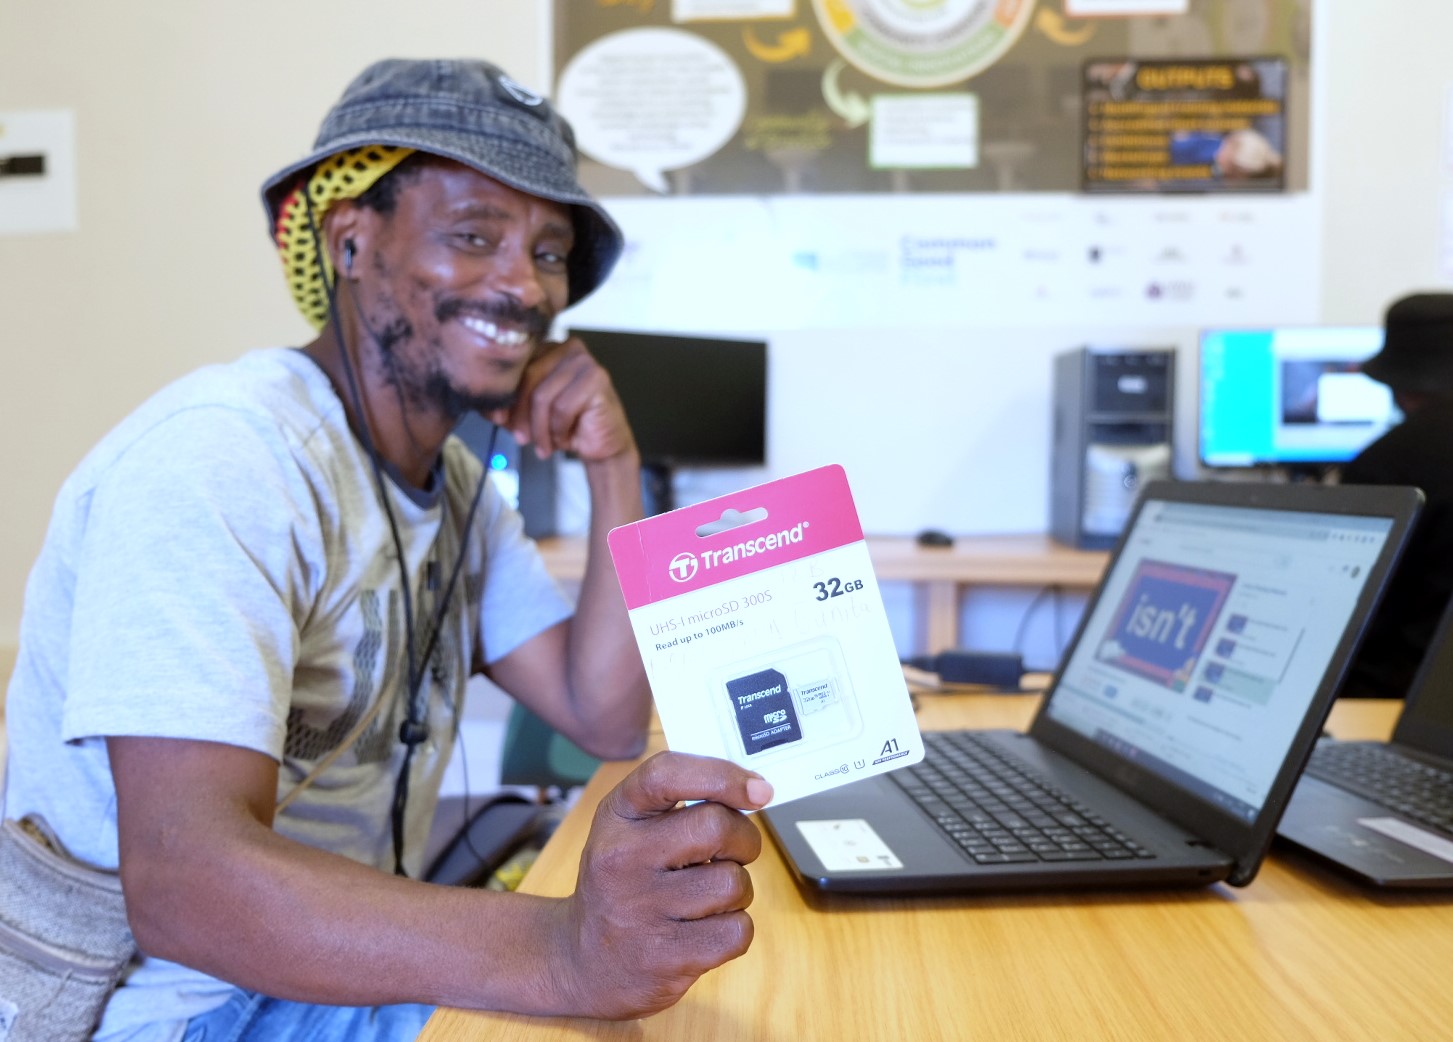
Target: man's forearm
[[607, 680], [660, 897], [209, 884], [313, 927]]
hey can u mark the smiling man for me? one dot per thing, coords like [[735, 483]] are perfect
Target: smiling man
[[248, 634]]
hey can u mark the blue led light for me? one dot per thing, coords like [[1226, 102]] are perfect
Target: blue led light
[[498, 462]]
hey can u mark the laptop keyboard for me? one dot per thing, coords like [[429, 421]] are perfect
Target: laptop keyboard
[[1415, 790], [999, 813]]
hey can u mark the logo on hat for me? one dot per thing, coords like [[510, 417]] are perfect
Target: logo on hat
[[520, 93]]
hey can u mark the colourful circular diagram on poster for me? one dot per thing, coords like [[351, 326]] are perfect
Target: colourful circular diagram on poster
[[923, 43]]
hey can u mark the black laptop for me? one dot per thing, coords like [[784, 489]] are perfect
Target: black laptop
[[1383, 811], [1172, 734]]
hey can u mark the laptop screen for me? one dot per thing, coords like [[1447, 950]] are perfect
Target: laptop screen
[[1212, 634]]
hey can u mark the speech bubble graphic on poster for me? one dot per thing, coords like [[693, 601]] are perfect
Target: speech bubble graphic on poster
[[651, 100], [923, 43]]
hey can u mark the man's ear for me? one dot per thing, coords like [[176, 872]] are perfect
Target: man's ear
[[346, 235]]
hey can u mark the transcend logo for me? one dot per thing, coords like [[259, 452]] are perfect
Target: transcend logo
[[745, 700], [684, 565]]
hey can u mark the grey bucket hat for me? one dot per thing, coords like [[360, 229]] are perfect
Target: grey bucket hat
[[472, 112], [1417, 345]]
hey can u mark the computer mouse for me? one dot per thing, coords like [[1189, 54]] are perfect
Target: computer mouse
[[934, 537]]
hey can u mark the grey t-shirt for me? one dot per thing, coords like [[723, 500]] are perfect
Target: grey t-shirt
[[219, 568]]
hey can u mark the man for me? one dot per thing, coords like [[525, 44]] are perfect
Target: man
[[1416, 362], [248, 632]]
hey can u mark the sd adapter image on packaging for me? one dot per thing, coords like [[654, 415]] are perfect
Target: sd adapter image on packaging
[[788, 700], [764, 711]]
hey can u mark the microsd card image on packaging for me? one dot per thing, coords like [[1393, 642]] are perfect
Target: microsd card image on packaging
[[798, 692], [764, 637]]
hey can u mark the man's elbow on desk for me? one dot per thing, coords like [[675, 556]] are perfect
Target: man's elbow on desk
[[612, 729], [622, 747], [622, 733]]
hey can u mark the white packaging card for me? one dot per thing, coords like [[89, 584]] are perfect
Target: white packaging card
[[764, 636]]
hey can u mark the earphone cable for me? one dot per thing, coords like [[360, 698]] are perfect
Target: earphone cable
[[330, 287], [401, 784], [410, 733]]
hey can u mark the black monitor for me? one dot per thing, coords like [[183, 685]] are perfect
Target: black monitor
[[692, 401], [1290, 397]]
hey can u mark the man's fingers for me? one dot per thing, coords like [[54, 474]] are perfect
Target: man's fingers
[[565, 401], [662, 887], [557, 402], [516, 418], [672, 958], [571, 408], [704, 944], [528, 419], [705, 832], [671, 838], [702, 891], [667, 779]]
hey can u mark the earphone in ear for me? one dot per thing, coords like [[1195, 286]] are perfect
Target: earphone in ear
[[348, 256]]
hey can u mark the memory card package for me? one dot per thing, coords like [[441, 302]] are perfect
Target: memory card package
[[764, 637]]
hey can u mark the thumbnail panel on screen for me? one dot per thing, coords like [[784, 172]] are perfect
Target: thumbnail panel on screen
[[1289, 397]]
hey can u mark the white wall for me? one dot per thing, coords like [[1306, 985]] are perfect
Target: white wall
[[182, 109], [1386, 166]]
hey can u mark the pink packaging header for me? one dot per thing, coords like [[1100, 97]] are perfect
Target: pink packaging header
[[791, 518]]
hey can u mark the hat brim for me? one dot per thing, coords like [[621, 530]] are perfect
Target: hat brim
[[1429, 375], [598, 239]]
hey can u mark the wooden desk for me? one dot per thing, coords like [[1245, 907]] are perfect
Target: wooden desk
[[1299, 954], [940, 574]]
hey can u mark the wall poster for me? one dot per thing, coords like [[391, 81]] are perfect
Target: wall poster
[[1187, 125], [713, 97]]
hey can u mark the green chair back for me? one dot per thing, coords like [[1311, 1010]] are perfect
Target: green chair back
[[536, 754]]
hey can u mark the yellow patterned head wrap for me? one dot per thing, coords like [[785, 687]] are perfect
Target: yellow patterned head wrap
[[345, 175]]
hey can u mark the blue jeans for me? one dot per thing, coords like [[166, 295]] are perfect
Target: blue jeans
[[247, 1017]]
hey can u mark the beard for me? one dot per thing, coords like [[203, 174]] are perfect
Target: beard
[[454, 401], [428, 386], [430, 389]]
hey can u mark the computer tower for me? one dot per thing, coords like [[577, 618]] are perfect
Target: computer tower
[[1112, 433]]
